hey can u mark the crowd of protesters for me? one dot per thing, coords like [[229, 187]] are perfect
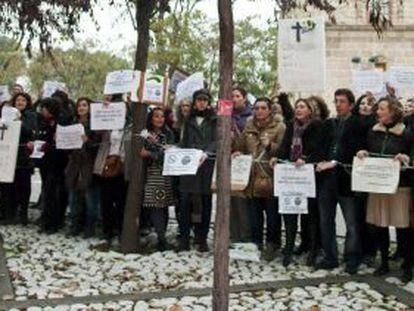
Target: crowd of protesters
[[90, 184]]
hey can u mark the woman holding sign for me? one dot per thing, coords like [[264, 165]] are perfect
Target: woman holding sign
[[300, 145], [158, 192], [82, 185], [16, 195], [390, 138], [262, 135]]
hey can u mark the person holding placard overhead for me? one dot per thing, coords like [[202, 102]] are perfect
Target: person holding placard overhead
[[82, 184], [195, 191], [390, 138], [342, 138], [301, 145], [15, 196], [262, 136]]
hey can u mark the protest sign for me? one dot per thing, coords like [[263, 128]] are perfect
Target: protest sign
[[122, 81], [401, 77], [9, 114], [375, 175], [37, 149], [293, 203], [289, 177], [177, 77], [9, 145], [108, 117], [368, 81], [301, 55], [4, 93], [69, 137], [240, 173], [186, 88], [178, 162], [49, 87]]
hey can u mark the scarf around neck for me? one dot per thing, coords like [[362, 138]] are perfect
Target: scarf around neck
[[296, 149]]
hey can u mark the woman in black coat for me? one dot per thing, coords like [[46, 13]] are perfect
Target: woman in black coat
[[300, 145], [16, 195], [390, 138], [195, 191]]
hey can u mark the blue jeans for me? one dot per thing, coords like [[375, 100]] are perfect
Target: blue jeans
[[84, 208], [258, 208], [353, 215], [187, 207]]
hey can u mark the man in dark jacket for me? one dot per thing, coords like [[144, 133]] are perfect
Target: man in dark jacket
[[195, 191], [342, 141]]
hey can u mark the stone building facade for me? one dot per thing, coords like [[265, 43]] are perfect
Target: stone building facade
[[352, 36]]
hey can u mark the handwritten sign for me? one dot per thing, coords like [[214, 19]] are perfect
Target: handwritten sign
[[301, 55], [108, 117], [4, 93], [69, 137], [402, 77], [375, 175], [122, 81], [9, 114], [177, 78], [368, 81], [179, 162], [9, 145], [186, 89], [49, 87]]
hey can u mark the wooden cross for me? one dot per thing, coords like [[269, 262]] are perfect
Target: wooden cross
[[298, 28], [3, 128]]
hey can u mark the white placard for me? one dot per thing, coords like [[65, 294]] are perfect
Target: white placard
[[402, 77], [108, 117], [187, 88], [122, 81], [375, 175], [368, 81], [9, 145], [69, 137], [9, 114], [301, 55], [179, 162], [153, 92], [293, 203], [176, 79], [49, 87], [4, 93], [37, 149], [291, 180], [244, 252], [240, 173]]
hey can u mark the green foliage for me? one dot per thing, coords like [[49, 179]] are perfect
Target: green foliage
[[82, 69], [12, 61]]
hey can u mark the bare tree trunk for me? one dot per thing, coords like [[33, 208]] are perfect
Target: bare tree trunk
[[221, 238], [130, 232]]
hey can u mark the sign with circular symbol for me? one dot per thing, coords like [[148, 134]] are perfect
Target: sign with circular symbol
[[186, 160]]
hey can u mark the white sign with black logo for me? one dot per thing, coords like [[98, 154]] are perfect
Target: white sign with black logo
[[293, 203], [179, 162], [9, 144]]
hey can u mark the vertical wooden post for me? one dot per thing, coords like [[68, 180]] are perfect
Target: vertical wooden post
[[222, 227]]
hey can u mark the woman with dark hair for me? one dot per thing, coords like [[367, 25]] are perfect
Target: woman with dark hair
[[262, 136], [52, 169], [158, 191], [390, 138], [195, 191], [15, 196], [322, 111], [300, 145], [82, 185]]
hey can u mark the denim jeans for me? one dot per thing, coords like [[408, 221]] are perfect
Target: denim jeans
[[84, 208], [353, 215], [202, 227], [258, 208]]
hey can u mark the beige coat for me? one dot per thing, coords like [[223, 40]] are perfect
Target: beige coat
[[261, 178]]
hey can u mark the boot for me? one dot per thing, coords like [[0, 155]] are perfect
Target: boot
[[162, 244], [407, 273], [183, 245], [203, 247], [302, 248], [270, 252], [291, 229], [384, 268]]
